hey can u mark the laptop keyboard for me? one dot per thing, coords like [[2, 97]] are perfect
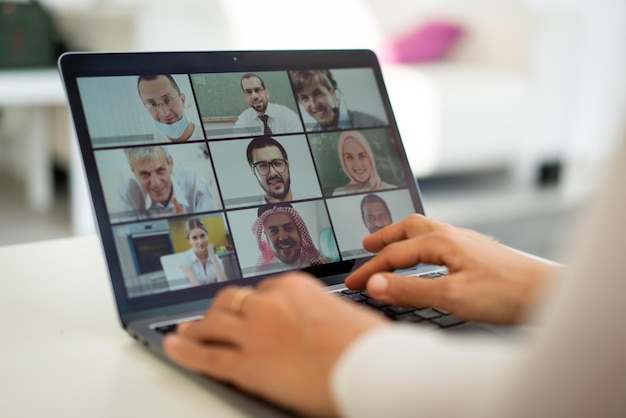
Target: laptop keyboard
[[419, 315], [416, 315]]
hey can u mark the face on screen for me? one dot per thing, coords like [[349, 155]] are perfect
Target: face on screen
[[321, 103], [357, 162], [375, 216], [283, 236], [275, 183], [255, 94], [199, 240], [164, 103], [155, 176]]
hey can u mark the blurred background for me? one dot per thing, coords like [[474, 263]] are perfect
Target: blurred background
[[509, 109]]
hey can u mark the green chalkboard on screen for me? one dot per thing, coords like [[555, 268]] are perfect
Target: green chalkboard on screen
[[220, 95]]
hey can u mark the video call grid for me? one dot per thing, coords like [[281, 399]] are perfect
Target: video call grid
[[225, 211]]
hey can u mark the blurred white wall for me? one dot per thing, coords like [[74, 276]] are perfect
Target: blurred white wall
[[593, 92], [598, 94], [285, 24]]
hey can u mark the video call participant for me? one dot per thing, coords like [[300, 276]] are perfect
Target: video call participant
[[357, 162], [263, 116], [201, 265], [283, 239], [270, 165], [317, 92], [158, 188], [375, 213], [162, 97]]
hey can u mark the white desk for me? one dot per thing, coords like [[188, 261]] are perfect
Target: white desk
[[40, 91], [62, 352]]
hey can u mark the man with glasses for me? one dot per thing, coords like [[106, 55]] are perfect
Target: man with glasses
[[263, 117], [269, 164], [162, 97]]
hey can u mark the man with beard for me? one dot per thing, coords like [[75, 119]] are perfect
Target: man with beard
[[269, 164], [375, 213], [263, 117], [283, 239]]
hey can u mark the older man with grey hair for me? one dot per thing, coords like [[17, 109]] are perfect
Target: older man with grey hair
[[158, 188]]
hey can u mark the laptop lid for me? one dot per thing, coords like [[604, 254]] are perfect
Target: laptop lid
[[214, 168]]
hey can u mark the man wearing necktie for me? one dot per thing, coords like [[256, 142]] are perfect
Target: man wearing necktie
[[266, 127], [264, 117]]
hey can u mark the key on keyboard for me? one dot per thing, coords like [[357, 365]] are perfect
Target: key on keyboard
[[421, 315]]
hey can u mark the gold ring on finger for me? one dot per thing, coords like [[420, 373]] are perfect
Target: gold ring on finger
[[240, 295]]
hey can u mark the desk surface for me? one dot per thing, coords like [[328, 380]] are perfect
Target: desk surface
[[63, 353]]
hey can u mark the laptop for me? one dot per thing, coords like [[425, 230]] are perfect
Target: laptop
[[181, 168]]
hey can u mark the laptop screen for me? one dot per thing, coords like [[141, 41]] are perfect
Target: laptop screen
[[213, 168]]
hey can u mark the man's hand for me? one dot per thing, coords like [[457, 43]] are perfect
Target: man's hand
[[178, 208], [488, 282], [279, 341]]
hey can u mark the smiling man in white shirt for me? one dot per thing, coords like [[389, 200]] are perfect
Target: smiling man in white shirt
[[158, 188]]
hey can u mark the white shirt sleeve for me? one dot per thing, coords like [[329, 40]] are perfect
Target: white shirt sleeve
[[409, 371], [573, 365]]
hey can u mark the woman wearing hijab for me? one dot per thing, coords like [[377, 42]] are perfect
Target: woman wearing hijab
[[357, 161]]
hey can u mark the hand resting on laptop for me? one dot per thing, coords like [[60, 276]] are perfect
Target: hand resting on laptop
[[281, 344], [281, 340], [487, 281]]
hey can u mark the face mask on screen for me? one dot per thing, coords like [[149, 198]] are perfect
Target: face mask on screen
[[173, 130]]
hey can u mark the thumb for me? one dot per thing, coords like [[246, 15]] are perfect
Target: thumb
[[406, 290]]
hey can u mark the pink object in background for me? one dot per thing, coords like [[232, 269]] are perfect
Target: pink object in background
[[428, 42]]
